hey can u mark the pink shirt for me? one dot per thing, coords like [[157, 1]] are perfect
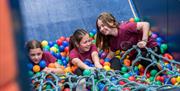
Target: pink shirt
[[48, 58], [74, 53], [128, 35]]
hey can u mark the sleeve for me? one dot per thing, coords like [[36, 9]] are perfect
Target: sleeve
[[130, 27], [93, 48], [73, 54], [50, 58]]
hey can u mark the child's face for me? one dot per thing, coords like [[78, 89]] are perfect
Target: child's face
[[104, 29], [35, 55], [85, 43]]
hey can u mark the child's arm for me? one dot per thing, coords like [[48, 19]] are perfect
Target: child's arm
[[80, 64], [57, 69], [110, 55], [95, 59], [144, 26]]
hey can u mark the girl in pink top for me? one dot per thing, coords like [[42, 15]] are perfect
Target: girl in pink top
[[36, 54], [122, 36], [81, 49]]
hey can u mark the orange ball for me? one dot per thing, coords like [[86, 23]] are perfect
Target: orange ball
[[63, 54], [51, 65], [36, 68], [131, 19], [127, 62], [68, 69], [173, 80], [101, 61], [106, 64], [73, 68]]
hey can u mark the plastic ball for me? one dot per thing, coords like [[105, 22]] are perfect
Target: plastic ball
[[64, 62], [51, 44], [100, 86], [131, 19], [154, 36], [158, 83], [59, 42], [106, 59], [44, 43], [167, 55], [107, 68], [124, 69], [136, 19], [121, 82], [86, 72], [61, 48], [178, 79], [159, 40], [59, 61], [103, 55], [36, 68], [65, 43], [30, 73], [107, 64], [94, 31], [51, 65], [126, 75], [30, 66], [62, 38], [173, 80], [153, 72], [63, 54], [47, 48], [131, 78], [127, 62], [68, 69], [58, 56], [54, 49], [42, 64], [169, 66], [101, 61], [66, 49], [91, 34], [151, 79]]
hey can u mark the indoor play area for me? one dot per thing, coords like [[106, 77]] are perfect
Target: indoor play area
[[53, 23]]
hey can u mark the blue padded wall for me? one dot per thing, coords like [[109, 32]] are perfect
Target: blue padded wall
[[50, 19]]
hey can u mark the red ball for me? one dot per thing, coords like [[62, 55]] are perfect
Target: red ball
[[121, 82], [66, 89], [59, 42], [67, 39], [62, 38], [131, 78], [158, 78], [148, 74], [66, 49], [161, 79]]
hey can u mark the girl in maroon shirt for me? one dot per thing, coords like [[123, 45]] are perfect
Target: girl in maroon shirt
[[36, 54], [115, 36], [81, 48]]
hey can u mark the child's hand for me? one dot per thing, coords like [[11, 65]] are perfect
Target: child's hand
[[141, 44], [98, 65], [47, 70]]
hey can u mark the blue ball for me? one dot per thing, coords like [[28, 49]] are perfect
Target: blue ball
[[42, 64], [53, 53], [61, 48], [64, 62], [63, 58], [58, 55], [30, 66], [94, 31], [65, 43], [51, 44], [159, 39]]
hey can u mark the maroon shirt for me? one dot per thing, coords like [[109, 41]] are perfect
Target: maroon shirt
[[128, 35], [74, 53], [48, 58]]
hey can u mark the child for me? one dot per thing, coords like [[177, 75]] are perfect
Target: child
[[114, 35], [36, 54], [81, 48]]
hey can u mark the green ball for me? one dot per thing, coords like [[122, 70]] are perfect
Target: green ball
[[126, 75], [38, 73], [151, 79], [94, 41], [48, 87], [67, 58], [136, 68], [86, 72], [153, 72], [59, 62], [137, 19], [30, 73], [158, 83], [56, 45], [163, 48], [46, 47], [91, 34], [124, 69]]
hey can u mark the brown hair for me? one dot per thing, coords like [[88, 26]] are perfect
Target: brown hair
[[32, 44], [109, 20], [76, 38]]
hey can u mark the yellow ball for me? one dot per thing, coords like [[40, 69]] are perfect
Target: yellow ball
[[140, 66], [36, 68], [44, 43], [107, 68], [118, 57], [178, 79], [54, 49], [117, 52]]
